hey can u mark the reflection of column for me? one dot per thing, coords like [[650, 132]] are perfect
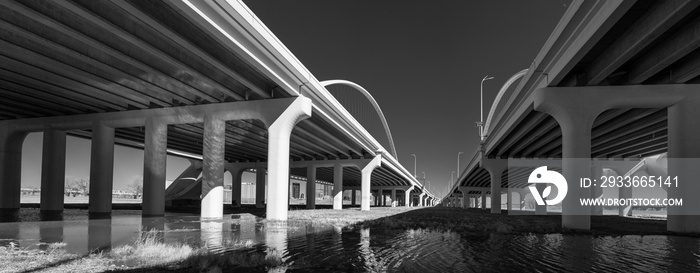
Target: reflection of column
[[10, 174], [338, 235], [338, 186], [276, 239], [154, 225], [99, 234], [310, 238], [213, 148], [212, 233], [9, 234], [53, 171], [679, 251], [366, 251], [154, 162], [260, 188], [50, 232], [310, 186], [101, 171]]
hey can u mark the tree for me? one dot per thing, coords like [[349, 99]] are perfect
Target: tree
[[77, 186], [136, 186]]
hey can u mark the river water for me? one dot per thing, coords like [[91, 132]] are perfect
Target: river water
[[326, 248]]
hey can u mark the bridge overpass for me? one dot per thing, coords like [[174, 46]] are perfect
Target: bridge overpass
[[616, 80], [204, 78]]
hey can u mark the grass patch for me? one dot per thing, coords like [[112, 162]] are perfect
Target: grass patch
[[148, 250], [53, 259]]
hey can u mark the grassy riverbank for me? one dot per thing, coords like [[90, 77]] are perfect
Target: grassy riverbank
[[477, 222], [148, 254]]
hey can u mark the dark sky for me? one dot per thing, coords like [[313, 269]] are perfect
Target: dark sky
[[421, 60]]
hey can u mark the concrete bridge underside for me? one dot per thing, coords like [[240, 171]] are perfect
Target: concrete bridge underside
[[616, 80], [205, 79]]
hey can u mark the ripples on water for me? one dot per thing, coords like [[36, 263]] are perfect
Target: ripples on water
[[307, 247]]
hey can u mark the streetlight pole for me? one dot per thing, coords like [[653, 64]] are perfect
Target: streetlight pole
[[458, 171], [415, 159], [481, 122]]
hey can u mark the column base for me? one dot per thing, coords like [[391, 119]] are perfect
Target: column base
[[152, 215], [581, 222], [683, 223], [9, 215], [99, 215], [51, 215]]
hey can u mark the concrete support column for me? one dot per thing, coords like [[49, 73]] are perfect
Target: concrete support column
[[540, 210], [625, 192], [407, 196], [311, 187], [53, 171], [236, 186], [496, 167], [10, 171], [101, 171], [260, 188], [465, 199], [509, 201], [338, 186], [367, 179], [597, 192], [683, 154], [575, 115], [214, 142], [154, 163], [393, 198], [353, 196], [522, 193], [420, 200], [278, 157], [483, 200]]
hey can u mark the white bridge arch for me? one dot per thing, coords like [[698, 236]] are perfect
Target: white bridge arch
[[374, 103]]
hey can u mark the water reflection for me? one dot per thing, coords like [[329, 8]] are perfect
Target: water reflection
[[99, 235], [313, 247]]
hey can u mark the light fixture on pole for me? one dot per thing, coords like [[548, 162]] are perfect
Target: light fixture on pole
[[415, 159], [480, 123], [458, 171]]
